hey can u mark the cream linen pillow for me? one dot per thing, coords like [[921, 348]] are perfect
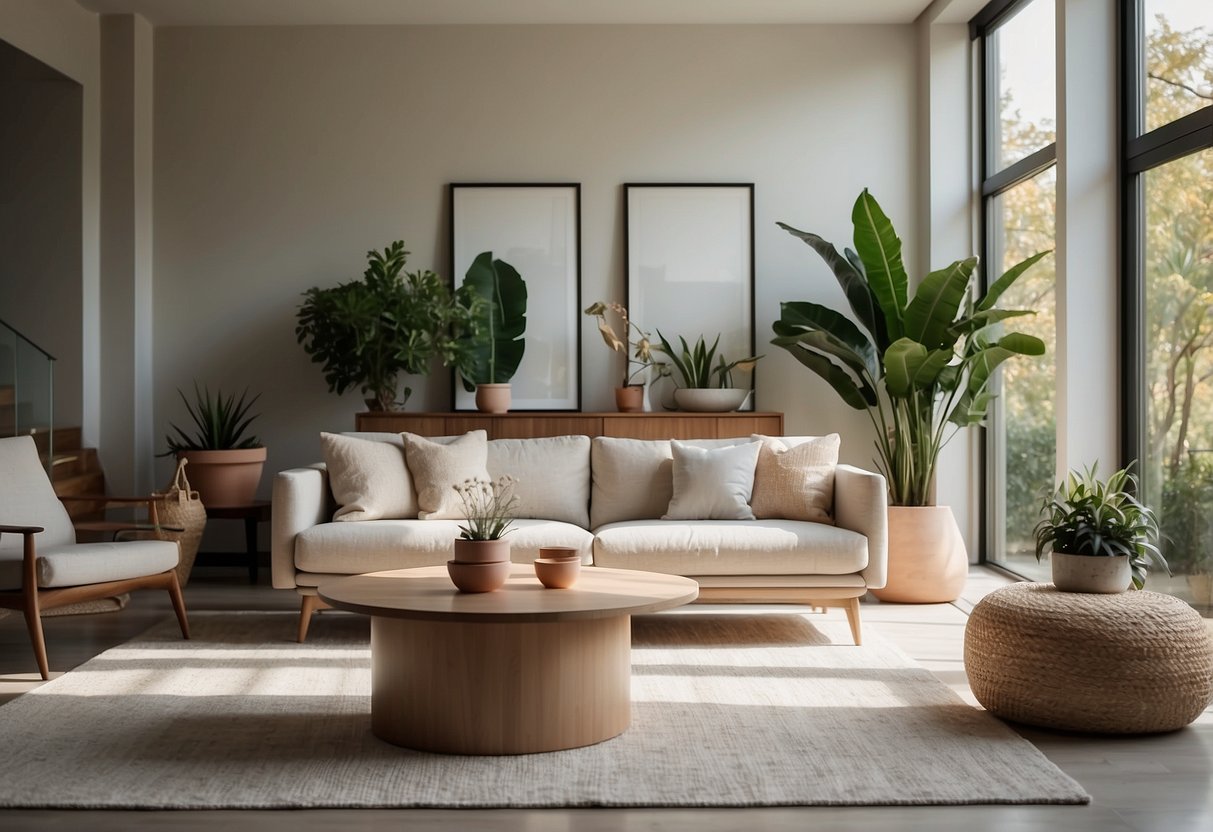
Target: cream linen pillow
[[712, 483], [438, 467], [794, 478], [368, 478], [551, 476]]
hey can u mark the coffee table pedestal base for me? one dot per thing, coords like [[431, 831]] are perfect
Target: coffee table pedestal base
[[462, 687]]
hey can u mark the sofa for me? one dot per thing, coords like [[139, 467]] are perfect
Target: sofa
[[751, 519]]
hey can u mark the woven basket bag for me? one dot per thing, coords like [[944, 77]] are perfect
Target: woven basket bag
[[180, 506]]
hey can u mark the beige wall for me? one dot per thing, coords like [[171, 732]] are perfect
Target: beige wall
[[283, 154]]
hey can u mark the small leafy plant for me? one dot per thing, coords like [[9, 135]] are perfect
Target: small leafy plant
[[220, 422], [1100, 518], [696, 367], [488, 506], [630, 340]]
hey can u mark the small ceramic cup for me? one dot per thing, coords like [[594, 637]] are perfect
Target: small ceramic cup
[[558, 553], [557, 574], [478, 577]]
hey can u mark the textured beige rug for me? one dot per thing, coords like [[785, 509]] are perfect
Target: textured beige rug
[[729, 710]]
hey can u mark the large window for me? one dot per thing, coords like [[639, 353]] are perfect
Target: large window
[[1169, 278], [1019, 197]]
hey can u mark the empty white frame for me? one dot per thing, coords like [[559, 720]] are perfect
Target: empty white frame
[[536, 228], [690, 262]]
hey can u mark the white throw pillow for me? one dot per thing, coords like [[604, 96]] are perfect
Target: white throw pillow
[[794, 478], [712, 483], [438, 467], [368, 478], [551, 476]]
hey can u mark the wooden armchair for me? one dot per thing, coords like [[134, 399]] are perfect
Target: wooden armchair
[[42, 565]]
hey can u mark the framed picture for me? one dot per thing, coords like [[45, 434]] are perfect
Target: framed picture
[[689, 251], [536, 228]]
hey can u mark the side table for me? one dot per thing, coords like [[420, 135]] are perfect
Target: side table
[[1130, 663], [252, 514]]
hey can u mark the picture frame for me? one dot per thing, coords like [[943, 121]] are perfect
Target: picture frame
[[536, 228], [691, 240]]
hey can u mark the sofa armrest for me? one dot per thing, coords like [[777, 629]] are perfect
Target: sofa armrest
[[300, 501], [861, 504]]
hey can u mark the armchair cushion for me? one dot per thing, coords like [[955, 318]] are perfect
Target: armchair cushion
[[28, 499], [91, 563]]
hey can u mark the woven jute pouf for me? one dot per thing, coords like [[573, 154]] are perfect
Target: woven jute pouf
[[1132, 663]]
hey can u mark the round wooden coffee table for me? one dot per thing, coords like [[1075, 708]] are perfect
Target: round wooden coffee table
[[516, 671]]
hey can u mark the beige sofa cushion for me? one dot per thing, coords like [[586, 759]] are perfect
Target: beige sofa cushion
[[372, 546], [712, 483], [552, 476], [92, 563], [437, 467], [794, 478], [725, 547], [368, 478], [632, 479]]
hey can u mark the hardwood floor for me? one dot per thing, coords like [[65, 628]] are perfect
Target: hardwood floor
[[1156, 784]]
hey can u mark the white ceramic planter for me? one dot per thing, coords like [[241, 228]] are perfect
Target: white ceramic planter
[[1087, 573], [709, 399]]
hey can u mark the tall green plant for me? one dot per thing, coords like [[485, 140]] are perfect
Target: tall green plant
[[219, 421], [495, 350], [920, 366], [367, 332]]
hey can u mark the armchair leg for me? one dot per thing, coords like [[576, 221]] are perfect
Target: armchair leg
[[33, 620], [309, 605], [853, 620], [174, 591]]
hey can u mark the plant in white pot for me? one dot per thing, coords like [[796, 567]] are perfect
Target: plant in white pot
[[225, 461], [919, 366], [1100, 537], [705, 382], [494, 346]]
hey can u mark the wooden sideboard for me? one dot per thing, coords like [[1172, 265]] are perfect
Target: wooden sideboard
[[529, 424]]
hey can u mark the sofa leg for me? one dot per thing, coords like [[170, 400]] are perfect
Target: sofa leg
[[853, 620], [309, 605]]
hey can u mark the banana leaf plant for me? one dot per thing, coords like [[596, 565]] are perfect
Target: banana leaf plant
[[920, 366], [496, 344]]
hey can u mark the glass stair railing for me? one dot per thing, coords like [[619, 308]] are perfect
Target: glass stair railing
[[27, 384]]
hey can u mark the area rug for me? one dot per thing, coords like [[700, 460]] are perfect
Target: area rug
[[739, 709]]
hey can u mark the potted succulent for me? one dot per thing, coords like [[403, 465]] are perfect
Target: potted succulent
[[1099, 535], [706, 379], [368, 332], [224, 460], [635, 345], [919, 366], [494, 347], [482, 554]]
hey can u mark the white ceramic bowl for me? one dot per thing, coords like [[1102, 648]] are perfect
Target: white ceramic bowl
[[709, 399]]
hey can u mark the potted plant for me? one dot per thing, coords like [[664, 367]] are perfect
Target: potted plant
[[224, 460], [635, 345], [1099, 535], [706, 379], [482, 554], [920, 367], [368, 332], [494, 347]]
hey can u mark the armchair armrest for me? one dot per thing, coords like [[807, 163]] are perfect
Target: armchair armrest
[[21, 529], [300, 501], [107, 501], [29, 558], [861, 504]]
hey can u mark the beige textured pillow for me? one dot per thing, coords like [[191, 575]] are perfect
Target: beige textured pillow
[[368, 478], [438, 467], [712, 483], [551, 476], [794, 478]]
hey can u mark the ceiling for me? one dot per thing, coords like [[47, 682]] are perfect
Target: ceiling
[[378, 12]]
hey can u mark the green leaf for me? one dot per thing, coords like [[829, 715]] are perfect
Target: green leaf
[[797, 317], [930, 315], [1009, 277], [854, 284], [880, 250], [497, 349], [857, 394], [902, 360]]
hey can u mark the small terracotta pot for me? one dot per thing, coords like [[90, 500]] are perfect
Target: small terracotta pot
[[226, 478], [557, 574], [478, 577], [630, 399], [493, 398], [558, 553], [482, 551]]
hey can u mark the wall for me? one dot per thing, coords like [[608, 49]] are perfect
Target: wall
[[283, 154]]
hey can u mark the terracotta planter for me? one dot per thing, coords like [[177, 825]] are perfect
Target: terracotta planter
[[478, 577], [482, 551], [558, 553], [928, 562], [226, 478], [558, 574], [630, 399], [1088, 573], [493, 398]]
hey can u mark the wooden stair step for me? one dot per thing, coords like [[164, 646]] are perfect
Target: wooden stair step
[[66, 440], [71, 463]]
